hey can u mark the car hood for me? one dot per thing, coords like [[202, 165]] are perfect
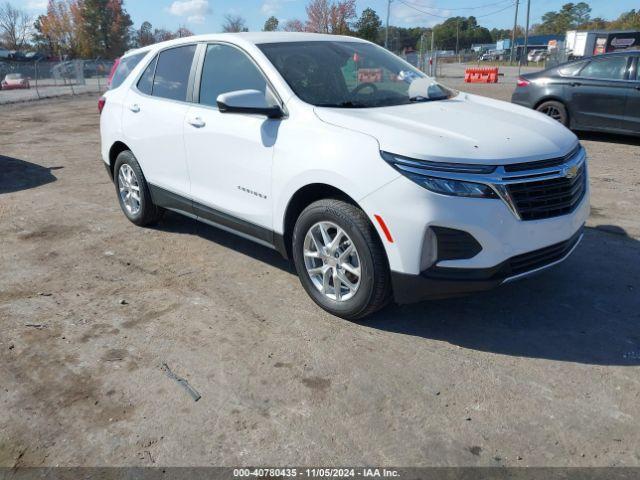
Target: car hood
[[464, 129]]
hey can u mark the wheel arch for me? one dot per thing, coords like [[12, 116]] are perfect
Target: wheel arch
[[555, 98], [301, 199], [116, 149]]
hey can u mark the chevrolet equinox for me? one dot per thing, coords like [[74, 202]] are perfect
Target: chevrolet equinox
[[377, 181]]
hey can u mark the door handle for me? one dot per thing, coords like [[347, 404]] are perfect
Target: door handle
[[575, 84], [637, 87], [135, 108], [196, 122]]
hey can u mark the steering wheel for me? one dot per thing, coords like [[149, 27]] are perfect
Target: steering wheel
[[362, 86]]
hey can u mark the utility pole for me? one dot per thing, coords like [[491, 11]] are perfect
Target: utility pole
[[513, 34], [386, 30], [457, 34], [526, 35]]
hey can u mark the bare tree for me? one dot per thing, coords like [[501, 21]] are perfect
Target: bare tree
[[15, 27], [294, 25], [341, 15], [329, 16], [318, 16], [234, 23], [162, 35], [183, 32]]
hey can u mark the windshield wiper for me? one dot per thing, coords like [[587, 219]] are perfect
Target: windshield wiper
[[346, 104], [420, 98], [352, 104]]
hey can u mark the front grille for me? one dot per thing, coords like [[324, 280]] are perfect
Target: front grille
[[545, 256], [549, 198]]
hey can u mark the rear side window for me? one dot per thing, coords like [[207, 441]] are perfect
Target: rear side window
[[612, 68], [145, 84], [227, 69], [171, 79], [125, 67], [572, 69]]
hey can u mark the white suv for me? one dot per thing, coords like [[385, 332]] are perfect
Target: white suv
[[377, 181]]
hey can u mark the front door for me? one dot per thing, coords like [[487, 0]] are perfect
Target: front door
[[230, 154]]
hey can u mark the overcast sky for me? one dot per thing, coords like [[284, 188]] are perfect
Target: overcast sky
[[207, 16]]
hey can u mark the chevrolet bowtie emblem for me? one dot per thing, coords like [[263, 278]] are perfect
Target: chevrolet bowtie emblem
[[571, 172]]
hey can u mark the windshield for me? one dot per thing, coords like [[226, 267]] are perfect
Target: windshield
[[14, 76], [350, 75]]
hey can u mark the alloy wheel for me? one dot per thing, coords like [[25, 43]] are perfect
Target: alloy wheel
[[552, 112], [332, 261], [129, 189]]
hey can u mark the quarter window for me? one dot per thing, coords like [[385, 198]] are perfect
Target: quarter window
[[171, 79], [613, 68], [227, 69], [145, 84], [125, 67]]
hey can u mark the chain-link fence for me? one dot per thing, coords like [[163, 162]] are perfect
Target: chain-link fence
[[23, 81]]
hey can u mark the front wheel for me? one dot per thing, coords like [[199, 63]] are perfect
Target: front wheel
[[340, 260], [555, 110]]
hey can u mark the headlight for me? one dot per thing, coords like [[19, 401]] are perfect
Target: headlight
[[454, 187], [432, 176]]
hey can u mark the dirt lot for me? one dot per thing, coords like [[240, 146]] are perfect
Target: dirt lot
[[541, 372]]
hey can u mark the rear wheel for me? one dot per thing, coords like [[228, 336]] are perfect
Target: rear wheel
[[555, 110], [339, 259], [133, 192]]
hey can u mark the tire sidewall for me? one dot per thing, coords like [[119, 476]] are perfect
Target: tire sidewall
[[359, 302], [561, 108], [128, 158]]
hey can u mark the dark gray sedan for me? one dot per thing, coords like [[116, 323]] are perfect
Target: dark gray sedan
[[599, 93]]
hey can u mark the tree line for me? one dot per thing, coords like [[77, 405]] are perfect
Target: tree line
[[104, 29]]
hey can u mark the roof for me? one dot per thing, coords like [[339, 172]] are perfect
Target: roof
[[252, 37], [605, 32]]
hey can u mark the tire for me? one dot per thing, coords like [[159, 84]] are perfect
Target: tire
[[555, 110], [147, 213], [374, 284]]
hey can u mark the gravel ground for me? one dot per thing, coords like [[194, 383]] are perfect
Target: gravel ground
[[541, 372]]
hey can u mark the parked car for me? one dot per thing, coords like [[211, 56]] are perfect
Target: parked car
[[537, 56], [396, 187], [13, 81], [489, 57], [96, 68], [599, 93]]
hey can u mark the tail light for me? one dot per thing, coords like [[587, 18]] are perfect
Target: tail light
[[101, 103], [523, 82]]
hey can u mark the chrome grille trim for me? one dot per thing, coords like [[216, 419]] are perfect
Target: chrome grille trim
[[500, 179]]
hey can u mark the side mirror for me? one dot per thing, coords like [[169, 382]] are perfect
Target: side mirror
[[247, 101]]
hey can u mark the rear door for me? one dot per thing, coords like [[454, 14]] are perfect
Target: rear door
[[153, 120], [597, 95]]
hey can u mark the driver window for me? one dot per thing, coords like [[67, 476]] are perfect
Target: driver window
[[309, 75], [226, 69]]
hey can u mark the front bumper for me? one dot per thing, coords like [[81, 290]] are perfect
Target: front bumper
[[443, 282]]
